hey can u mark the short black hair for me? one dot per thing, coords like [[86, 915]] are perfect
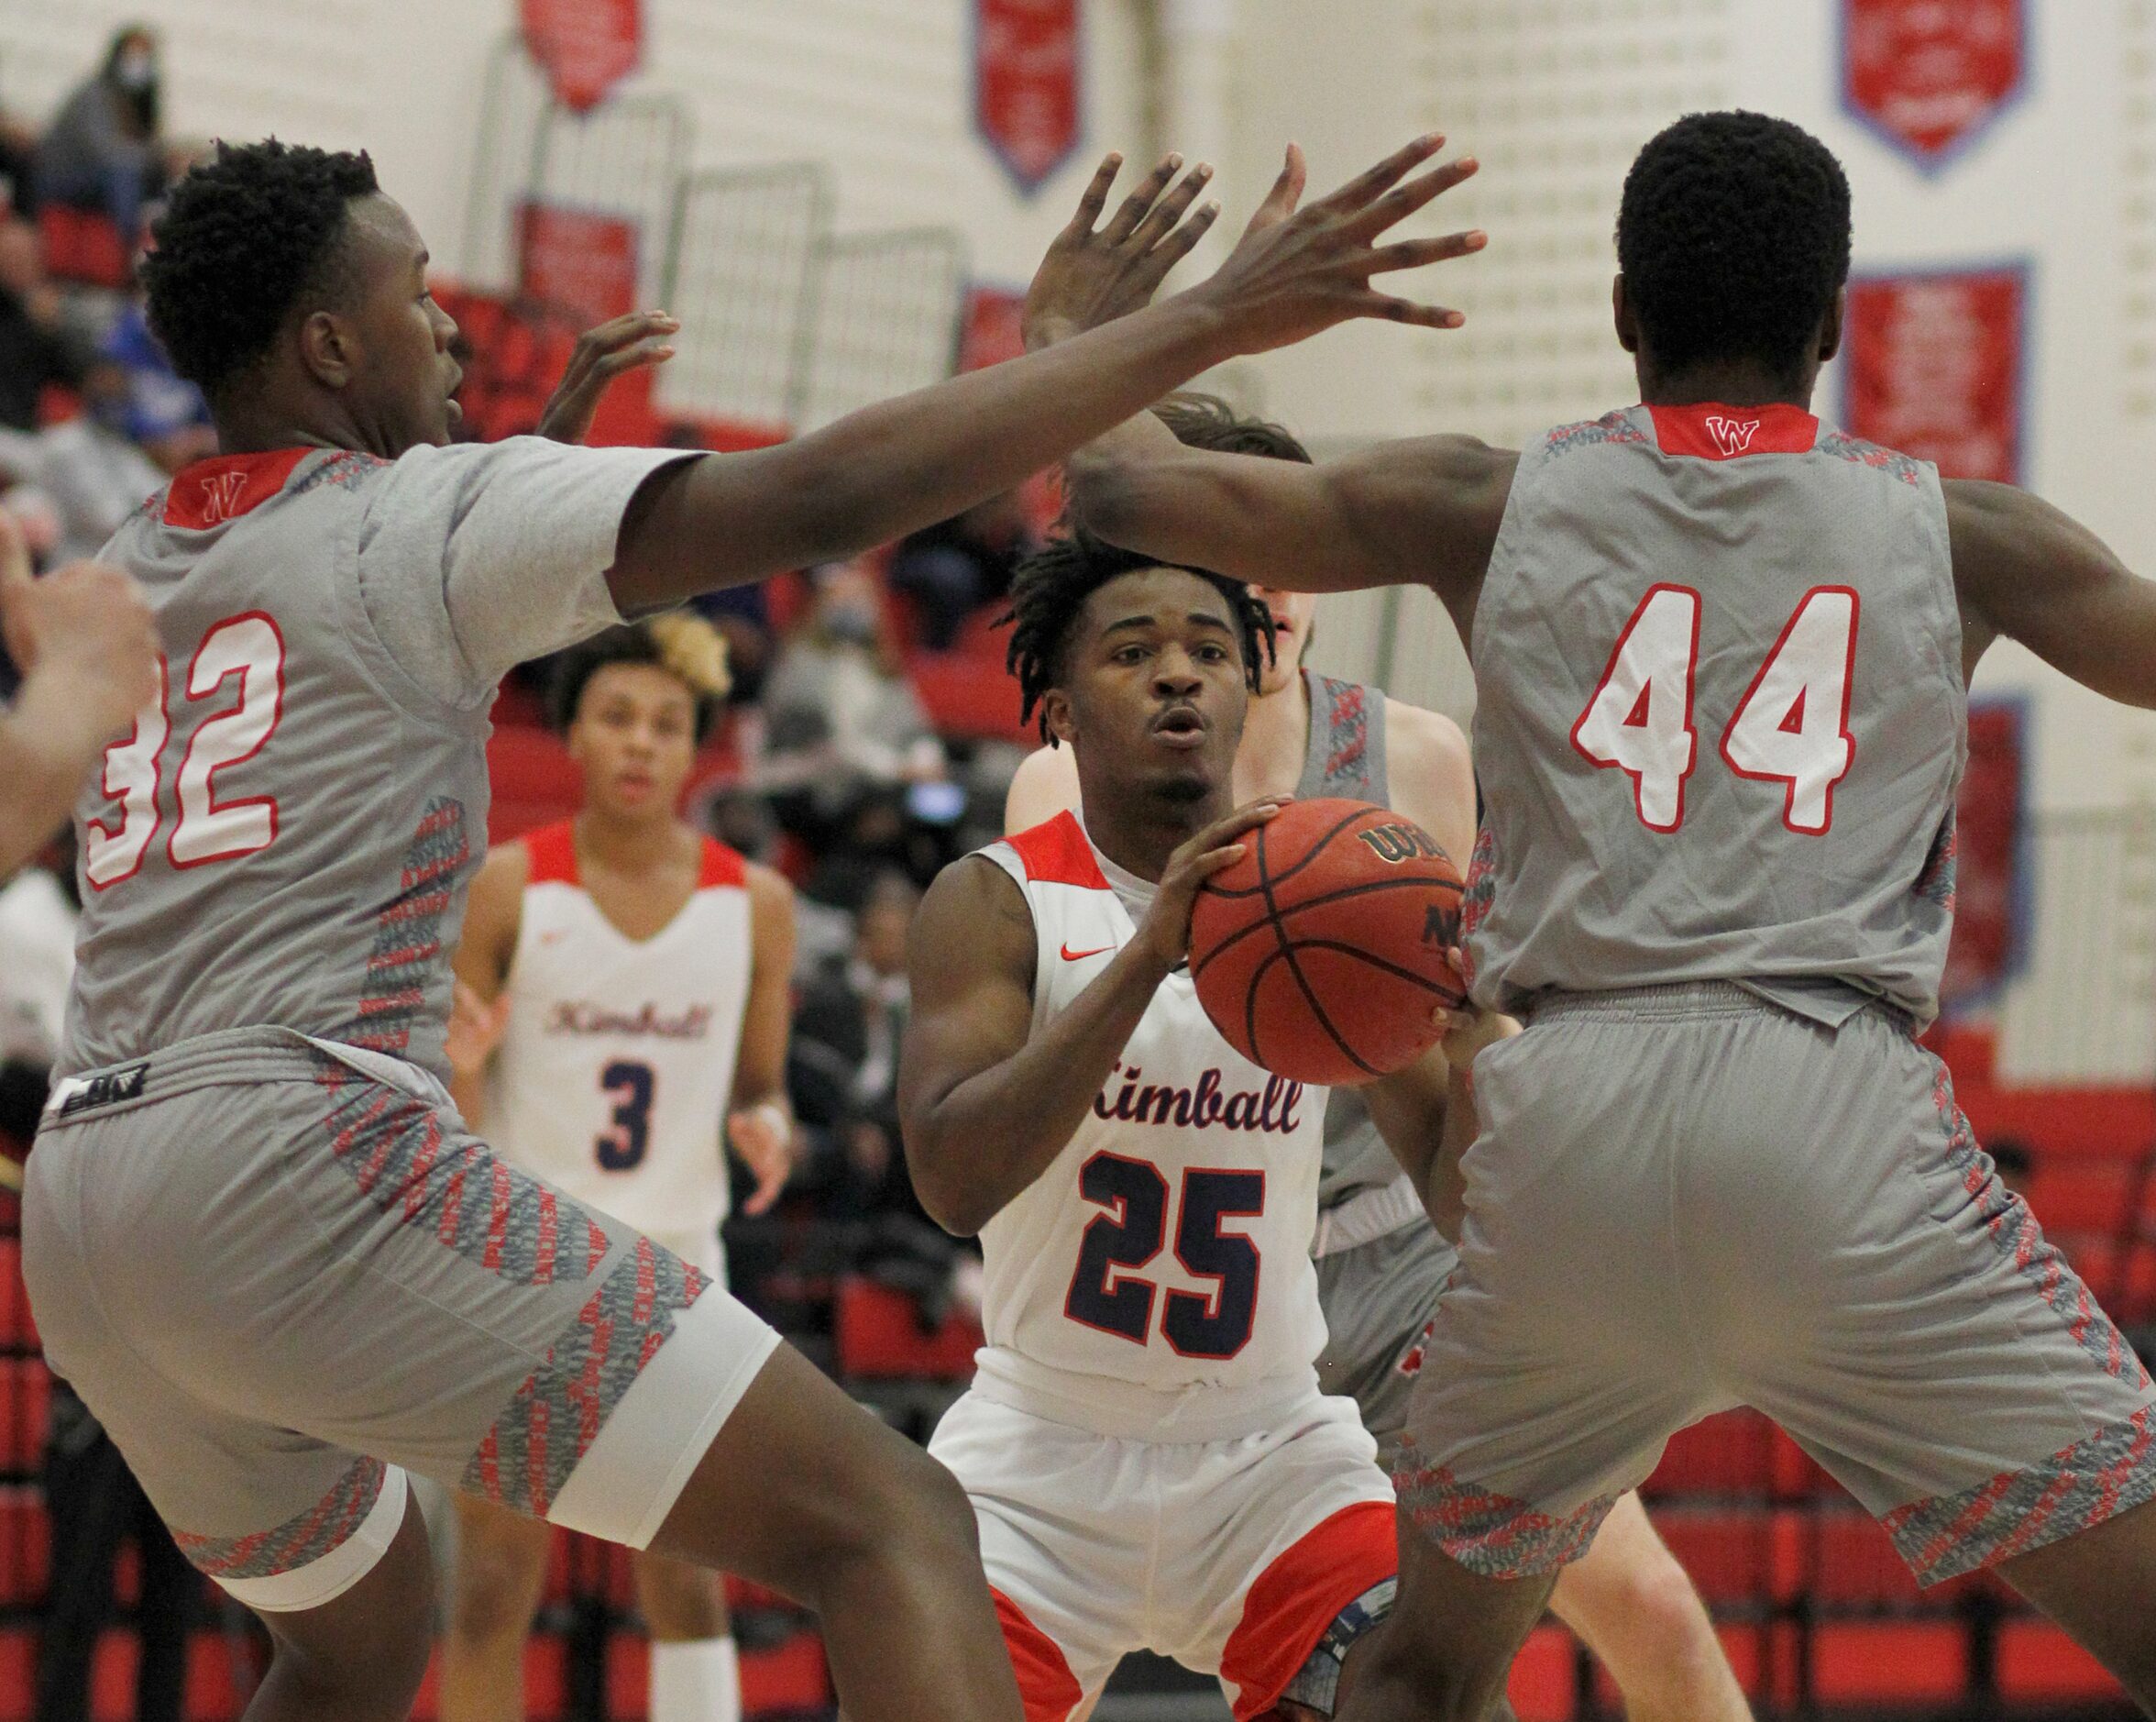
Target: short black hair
[[245, 236], [1206, 421], [1051, 586], [1732, 236], [683, 643]]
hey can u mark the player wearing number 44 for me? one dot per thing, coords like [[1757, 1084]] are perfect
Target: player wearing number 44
[[1150, 1459], [1720, 654], [622, 987]]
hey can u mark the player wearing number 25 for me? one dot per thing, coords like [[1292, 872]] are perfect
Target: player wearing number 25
[[1147, 1451], [1720, 654]]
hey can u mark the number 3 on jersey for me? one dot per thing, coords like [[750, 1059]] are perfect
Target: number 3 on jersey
[[1791, 727]]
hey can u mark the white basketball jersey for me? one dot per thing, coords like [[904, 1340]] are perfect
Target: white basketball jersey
[[614, 1073], [1167, 1248]]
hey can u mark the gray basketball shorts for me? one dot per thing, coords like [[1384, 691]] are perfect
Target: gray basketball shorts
[[1684, 1199], [281, 1283], [1379, 1299]]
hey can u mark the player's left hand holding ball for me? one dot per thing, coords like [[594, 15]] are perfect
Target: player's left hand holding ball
[[762, 1136]]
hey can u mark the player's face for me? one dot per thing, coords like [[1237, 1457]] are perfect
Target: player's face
[[635, 739], [1291, 616], [1152, 694], [402, 375]]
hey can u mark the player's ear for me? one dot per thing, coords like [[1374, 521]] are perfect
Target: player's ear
[[328, 348], [1055, 711], [1621, 314], [1831, 332]]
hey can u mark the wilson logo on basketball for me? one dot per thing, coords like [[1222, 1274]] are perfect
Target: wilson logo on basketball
[[1732, 435], [1396, 843]]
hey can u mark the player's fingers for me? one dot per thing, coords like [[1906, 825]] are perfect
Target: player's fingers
[[1243, 819], [1398, 204], [1139, 202], [651, 352], [634, 325], [1286, 193], [1170, 210], [1177, 246], [1373, 181], [1415, 253], [1095, 196], [1407, 311]]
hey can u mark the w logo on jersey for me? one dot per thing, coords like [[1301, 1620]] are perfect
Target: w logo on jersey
[[221, 494], [1732, 435]]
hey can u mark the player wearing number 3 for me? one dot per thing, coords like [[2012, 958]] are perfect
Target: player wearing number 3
[[622, 987], [1722, 653], [1147, 1452]]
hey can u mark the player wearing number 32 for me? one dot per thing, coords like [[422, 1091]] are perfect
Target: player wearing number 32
[[1720, 654], [622, 987], [1147, 1450]]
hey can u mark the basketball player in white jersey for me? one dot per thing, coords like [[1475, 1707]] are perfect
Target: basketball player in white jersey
[[623, 988], [1380, 1261], [1145, 1444], [1722, 653]]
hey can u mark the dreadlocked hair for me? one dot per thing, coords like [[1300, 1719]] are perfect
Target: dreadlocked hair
[[245, 236], [681, 643], [1051, 587]]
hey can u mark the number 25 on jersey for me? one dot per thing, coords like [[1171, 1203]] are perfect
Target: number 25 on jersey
[[248, 647], [1791, 727]]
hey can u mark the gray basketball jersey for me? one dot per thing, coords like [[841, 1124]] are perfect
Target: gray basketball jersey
[[285, 838], [1721, 717], [1345, 757]]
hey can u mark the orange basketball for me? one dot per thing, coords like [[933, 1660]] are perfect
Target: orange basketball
[[1320, 954]]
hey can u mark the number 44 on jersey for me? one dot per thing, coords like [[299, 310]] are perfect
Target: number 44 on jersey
[[1791, 727]]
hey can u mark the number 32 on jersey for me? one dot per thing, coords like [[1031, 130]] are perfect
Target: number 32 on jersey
[[1791, 727]]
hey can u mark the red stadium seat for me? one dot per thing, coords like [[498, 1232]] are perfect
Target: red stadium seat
[[879, 1339], [83, 246], [1734, 1453], [2039, 1664], [15, 1328], [25, 1547], [1889, 1663], [26, 1392], [1545, 1685]]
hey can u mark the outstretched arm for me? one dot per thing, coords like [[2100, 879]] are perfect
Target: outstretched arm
[[986, 1105], [2024, 570], [902, 464]]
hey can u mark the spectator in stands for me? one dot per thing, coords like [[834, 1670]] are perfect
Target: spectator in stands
[[841, 717], [166, 413], [95, 468], [92, 1499], [35, 346], [953, 568], [105, 149]]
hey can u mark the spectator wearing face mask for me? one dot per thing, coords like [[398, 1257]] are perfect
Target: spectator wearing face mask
[[103, 149]]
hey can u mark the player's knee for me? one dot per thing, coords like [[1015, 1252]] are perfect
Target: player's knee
[[916, 1510], [1659, 1607], [491, 1598]]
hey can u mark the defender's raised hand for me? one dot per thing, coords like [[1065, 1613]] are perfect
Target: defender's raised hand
[[625, 344], [1298, 271], [1093, 275]]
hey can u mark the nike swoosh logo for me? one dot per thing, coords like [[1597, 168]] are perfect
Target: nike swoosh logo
[[1079, 956]]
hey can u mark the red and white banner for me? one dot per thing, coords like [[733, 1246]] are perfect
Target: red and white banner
[[1989, 880], [584, 46], [1927, 75], [577, 260], [1025, 91], [1933, 368]]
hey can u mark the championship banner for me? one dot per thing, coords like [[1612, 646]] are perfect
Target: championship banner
[[1929, 75], [1933, 367], [584, 46], [579, 260], [1990, 881], [1026, 83]]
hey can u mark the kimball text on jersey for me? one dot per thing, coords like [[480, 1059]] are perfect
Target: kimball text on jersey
[[1271, 1109], [579, 1016]]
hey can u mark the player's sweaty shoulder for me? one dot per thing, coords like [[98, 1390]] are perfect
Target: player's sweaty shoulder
[[974, 926]]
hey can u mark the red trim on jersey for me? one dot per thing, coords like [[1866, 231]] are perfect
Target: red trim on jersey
[[1290, 1605], [553, 849], [722, 867], [1046, 1683], [1713, 432], [1056, 853], [224, 486]]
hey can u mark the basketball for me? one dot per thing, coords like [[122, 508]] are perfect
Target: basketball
[[1320, 954]]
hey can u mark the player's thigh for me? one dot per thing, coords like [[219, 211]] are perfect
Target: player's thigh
[[1066, 1521], [678, 1600], [1939, 1355], [500, 1570], [2097, 1586], [373, 1638]]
